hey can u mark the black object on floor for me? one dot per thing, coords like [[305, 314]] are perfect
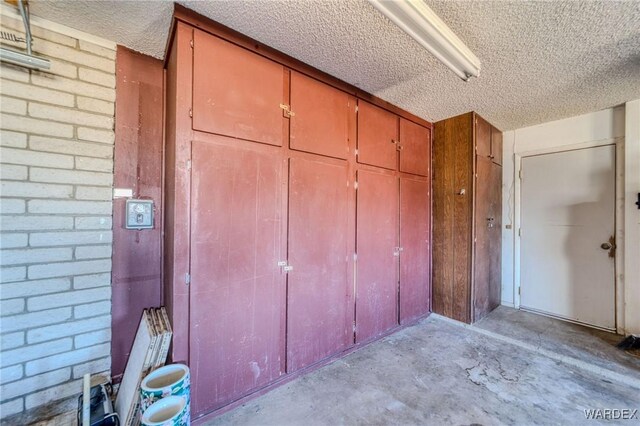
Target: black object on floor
[[102, 413], [630, 342]]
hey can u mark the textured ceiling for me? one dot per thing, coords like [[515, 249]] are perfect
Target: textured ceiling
[[541, 60]]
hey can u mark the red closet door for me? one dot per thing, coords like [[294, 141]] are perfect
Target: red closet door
[[236, 93], [237, 295], [415, 272], [377, 136], [320, 304], [415, 148], [377, 264], [322, 116]]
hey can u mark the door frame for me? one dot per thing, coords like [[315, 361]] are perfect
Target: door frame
[[618, 217]]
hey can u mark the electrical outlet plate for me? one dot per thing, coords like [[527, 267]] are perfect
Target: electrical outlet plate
[[139, 214]]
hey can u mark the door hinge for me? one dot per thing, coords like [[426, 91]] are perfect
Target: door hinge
[[520, 174], [287, 110], [187, 278], [519, 232], [190, 112], [519, 288]]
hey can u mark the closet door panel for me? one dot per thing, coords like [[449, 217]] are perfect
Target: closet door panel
[[237, 292], [377, 136], [483, 137], [496, 146], [377, 264], [236, 93], [321, 119], [415, 272], [484, 224], [320, 304], [495, 238], [415, 148]]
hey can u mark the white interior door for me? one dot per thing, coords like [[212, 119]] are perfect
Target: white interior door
[[567, 214]]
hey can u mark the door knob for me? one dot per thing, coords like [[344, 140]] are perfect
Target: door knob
[[610, 246]]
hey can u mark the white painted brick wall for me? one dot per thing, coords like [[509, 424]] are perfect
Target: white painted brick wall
[[56, 176]]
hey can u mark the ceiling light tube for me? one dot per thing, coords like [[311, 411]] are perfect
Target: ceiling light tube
[[23, 59], [416, 19]]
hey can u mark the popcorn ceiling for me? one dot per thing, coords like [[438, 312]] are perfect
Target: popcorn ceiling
[[541, 61]]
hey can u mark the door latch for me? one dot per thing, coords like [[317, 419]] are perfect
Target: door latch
[[287, 110]]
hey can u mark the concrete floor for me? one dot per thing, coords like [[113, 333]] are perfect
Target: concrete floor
[[511, 368]]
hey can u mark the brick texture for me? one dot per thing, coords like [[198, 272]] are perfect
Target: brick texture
[[56, 176]]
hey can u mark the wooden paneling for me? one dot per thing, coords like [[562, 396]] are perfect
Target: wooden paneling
[[482, 137], [136, 274], [235, 277], [321, 119], [415, 271], [466, 223], [236, 92], [377, 136], [320, 307], [377, 265], [495, 283], [462, 219], [484, 223], [496, 146], [415, 148]]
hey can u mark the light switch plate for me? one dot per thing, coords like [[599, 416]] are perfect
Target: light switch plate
[[139, 214]]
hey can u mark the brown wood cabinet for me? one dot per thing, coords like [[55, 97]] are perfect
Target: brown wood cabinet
[[298, 214], [467, 212]]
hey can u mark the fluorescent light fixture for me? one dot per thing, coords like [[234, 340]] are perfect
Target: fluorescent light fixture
[[23, 59], [415, 18]]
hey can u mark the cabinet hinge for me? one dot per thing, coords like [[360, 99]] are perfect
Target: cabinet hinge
[[190, 113], [191, 43], [187, 278], [356, 151], [355, 257], [357, 108], [355, 185], [188, 164], [287, 110]]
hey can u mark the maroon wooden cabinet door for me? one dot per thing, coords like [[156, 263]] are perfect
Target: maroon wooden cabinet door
[[415, 273], [236, 93], [495, 284], [377, 136], [320, 306], [321, 117], [415, 148], [377, 263], [237, 296], [496, 146]]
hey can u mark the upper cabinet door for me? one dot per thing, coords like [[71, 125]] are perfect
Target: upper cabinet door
[[496, 146], [415, 147], [236, 92], [483, 137], [377, 136], [320, 118]]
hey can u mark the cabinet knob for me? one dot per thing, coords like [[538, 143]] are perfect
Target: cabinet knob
[[461, 192]]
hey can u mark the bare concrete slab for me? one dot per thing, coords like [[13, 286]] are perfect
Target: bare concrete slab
[[442, 374], [586, 344]]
